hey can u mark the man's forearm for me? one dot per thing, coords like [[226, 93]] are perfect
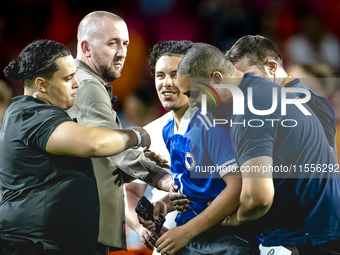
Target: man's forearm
[[248, 211], [166, 200], [133, 163], [133, 193], [165, 183], [257, 190], [222, 206]]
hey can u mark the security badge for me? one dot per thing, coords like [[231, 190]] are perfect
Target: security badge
[[190, 162]]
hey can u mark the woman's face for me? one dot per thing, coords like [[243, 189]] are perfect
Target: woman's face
[[61, 90]]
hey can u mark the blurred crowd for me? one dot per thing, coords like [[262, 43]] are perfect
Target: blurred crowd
[[305, 32]]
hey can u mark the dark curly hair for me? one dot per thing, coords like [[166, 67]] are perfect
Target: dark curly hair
[[36, 59], [168, 48]]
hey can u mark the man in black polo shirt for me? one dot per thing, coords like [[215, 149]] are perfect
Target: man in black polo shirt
[[290, 179]]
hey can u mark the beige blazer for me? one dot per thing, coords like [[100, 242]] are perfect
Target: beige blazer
[[93, 108]]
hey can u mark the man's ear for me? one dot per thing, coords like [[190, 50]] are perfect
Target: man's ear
[[41, 84], [217, 77], [272, 66], [85, 48]]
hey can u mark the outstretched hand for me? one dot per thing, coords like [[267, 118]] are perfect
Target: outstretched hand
[[157, 158], [149, 238], [173, 240]]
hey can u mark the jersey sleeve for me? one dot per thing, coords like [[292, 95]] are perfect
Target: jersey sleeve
[[220, 149], [37, 124]]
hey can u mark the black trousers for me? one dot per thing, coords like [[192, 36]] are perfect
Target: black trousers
[[214, 243], [24, 248], [330, 248], [101, 249]]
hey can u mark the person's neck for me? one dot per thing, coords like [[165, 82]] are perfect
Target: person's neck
[[280, 76], [28, 91], [178, 115], [91, 65], [235, 80]]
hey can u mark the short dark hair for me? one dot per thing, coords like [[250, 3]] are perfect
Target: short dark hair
[[168, 48], [256, 48], [204, 59], [36, 59]]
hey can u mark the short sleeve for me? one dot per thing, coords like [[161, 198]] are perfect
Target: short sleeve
[[38, 123], [253, 135], [221, 150]]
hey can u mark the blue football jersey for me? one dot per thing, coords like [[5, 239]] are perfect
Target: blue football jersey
[[200, 155]]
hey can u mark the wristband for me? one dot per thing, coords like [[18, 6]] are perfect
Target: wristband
[[140, 138]]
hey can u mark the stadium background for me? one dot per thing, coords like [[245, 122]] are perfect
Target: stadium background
[[290, 24]]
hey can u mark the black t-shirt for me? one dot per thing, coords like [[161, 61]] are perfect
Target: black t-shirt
[[44, 197]]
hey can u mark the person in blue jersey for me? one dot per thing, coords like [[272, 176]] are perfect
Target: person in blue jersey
[[208, 150], [258, 55], [164, 59], [290, 182], [199, 158], [204, 168]]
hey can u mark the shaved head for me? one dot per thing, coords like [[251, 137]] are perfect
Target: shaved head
[[103, 38], [88, 26]]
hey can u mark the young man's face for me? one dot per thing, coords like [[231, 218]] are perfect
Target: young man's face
[[108, 48], [166, 83]]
